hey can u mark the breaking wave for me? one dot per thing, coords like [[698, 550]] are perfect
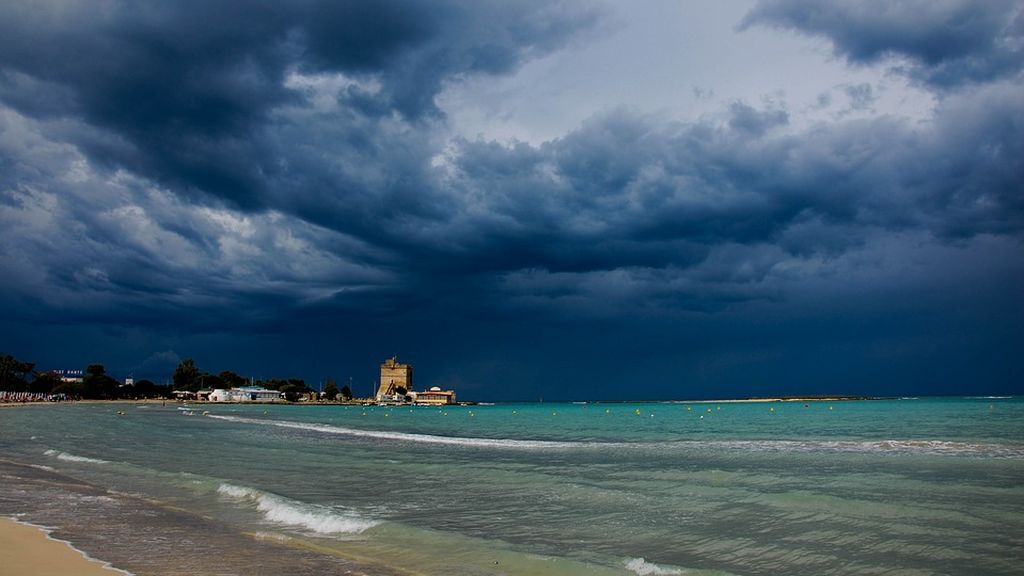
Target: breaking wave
[[72, 458], [925, 447], [281, 510], [410, 437], [641, 567]]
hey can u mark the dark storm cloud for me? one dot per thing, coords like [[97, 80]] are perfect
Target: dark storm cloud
[[946, 44], [673, 190], [186, 88], [187, 168]]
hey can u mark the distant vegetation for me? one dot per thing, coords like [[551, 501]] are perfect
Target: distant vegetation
[[95, 384], [19, 376]]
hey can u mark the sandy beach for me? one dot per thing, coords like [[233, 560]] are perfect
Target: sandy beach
[[27, 550]]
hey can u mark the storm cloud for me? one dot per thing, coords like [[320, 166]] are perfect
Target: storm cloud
[[944, 44], [198, 170]]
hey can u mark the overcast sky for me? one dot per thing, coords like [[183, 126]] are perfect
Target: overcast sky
[[568, 200]]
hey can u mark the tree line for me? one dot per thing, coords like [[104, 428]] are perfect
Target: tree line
[[19, 376]]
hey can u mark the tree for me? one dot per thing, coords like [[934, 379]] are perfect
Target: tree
[[273, 383], [293, 388], [186, 376], [346, 392], [44, 383], [97, 384], [12, 373], [331, 390], [145, 388], [231, 379], [70, 389], [211, 381]]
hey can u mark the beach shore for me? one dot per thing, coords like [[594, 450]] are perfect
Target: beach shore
[[28, 550]]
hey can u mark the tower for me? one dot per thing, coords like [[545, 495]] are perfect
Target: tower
[[393, 375]]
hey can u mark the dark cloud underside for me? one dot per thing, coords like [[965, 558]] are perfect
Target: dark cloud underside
[[281, 169]]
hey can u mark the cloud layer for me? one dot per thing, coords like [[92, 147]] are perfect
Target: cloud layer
[[182, 168]]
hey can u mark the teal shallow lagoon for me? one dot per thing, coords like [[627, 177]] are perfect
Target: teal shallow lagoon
[[919, 486]]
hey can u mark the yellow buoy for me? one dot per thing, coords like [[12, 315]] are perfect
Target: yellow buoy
[[719, 407], [709, 409], [829, 407], [607, 411], [689, 409], [771, 409]]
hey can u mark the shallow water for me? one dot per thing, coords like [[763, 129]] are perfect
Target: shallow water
[[924, 486]]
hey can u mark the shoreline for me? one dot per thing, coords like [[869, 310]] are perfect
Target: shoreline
[[139, 535], [31, 550], [197, 403], [759, 400]]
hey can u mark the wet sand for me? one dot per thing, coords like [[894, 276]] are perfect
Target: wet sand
[[27, 550]]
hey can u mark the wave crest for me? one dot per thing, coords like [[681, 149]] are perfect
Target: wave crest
[[642, 567], [72, 458], [290, 512], [410, 437], [924, 447]]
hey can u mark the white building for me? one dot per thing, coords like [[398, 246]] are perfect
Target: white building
[[70, 375], [245, 394]]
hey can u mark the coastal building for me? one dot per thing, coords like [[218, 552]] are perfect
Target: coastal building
[[395, 381], [70, 375], [434, 396], [245, 394]]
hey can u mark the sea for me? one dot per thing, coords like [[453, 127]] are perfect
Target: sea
[[908, 486]]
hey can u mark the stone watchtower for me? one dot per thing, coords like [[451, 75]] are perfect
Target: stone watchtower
[[394, 375]]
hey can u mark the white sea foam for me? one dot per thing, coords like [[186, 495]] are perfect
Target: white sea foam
[[642, 567], [72, 458], [281, 510], [409, 437], [237, 492], [932, 447]]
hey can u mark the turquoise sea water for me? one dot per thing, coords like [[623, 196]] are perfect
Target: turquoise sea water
[[911, 486]]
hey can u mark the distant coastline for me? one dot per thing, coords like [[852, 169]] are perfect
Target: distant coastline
[[369, 401]]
